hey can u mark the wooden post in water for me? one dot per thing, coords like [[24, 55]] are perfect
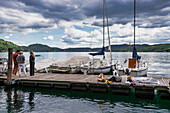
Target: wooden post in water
[[9, 73]]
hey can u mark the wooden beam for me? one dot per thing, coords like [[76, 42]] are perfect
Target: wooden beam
[[9, 73]]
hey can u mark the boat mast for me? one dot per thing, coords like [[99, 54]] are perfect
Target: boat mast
[[108, 34], [103, 26], [134, 19]]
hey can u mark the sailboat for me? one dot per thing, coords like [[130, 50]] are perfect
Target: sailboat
[[97, 66], [71, 66], [133, 66]]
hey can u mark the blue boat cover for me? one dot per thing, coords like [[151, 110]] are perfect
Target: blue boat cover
[[101, 52], [135, 55]]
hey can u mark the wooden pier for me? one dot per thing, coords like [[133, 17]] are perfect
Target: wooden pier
[[84, 83]]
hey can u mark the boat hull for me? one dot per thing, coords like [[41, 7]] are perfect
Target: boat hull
[[103, 70], [136, 72], [70, 70]]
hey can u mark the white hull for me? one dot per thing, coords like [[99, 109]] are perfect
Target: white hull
[[3, 65], [136, 72], [103, 70], [70, 70], [71, 66]]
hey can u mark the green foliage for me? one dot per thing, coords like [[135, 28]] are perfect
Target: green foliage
[[4, 45]]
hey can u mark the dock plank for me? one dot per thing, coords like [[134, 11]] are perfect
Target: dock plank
[[70, 77], [81, 82]]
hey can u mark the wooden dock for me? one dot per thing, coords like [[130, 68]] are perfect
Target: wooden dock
[[81, 82]]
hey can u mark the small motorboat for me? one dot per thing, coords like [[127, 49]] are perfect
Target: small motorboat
[[3, 66]]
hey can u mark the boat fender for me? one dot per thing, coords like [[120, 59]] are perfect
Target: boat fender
[[115, 73], [144, 64], [125, 61], [127, 71]]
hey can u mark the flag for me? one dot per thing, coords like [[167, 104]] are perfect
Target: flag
[[129, 44]]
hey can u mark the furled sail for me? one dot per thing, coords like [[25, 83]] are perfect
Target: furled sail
[[135, 55], [101, 52]]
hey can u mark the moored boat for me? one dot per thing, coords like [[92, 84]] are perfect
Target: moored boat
[[3, 66], [97, 66], [134, 66], [70, 66]]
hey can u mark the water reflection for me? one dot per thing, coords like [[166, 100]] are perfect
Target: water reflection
[[16, 99], [24, 99], [9, 99], [31, 101]]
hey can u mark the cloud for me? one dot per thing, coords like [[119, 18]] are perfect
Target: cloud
[[17, 20], [82, 21], [45, 38], [166, 9], [119, 34], [10, 34], [46, 31], [49, 38], [77, 36], [7, 37], [20, 15]]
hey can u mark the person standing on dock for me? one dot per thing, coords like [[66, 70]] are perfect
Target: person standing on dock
[[14, 72], [21, 61], [32, 63]]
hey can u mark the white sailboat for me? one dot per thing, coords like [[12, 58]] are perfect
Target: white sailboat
[[133, 66], [97, 66], [71, 66]]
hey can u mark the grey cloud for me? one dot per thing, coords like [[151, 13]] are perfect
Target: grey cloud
[[120, 11], [68, 41]]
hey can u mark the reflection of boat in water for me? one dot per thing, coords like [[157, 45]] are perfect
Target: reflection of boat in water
[[133, 66], [97, 66], [3, 66], [69, 66]]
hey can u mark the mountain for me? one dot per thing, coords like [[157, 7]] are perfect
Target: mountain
[[115, 48], [4, 45], [43, 48]]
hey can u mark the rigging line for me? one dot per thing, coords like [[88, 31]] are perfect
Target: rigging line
[[103, 25], [108, 33], [139, 25], [134, 19], [98, 12]]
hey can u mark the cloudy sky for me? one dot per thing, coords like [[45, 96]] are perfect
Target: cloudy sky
[[78, 23]]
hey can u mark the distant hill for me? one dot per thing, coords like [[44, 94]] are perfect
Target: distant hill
[[43, 48], [115, 48], [142, 48], [4, 45]]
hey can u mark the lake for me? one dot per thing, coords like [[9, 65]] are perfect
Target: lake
[[38, 100]]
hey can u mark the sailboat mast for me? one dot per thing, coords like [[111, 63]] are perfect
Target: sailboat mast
[[108, 35], [134, 19], [103, 25]]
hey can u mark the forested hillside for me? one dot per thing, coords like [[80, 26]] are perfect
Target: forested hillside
[[4, 45]]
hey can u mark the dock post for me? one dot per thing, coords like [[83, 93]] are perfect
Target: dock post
[[9, 73]]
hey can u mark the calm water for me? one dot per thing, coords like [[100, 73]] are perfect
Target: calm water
[[37, 100]]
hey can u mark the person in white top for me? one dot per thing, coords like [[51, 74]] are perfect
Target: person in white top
[[21, 63]]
